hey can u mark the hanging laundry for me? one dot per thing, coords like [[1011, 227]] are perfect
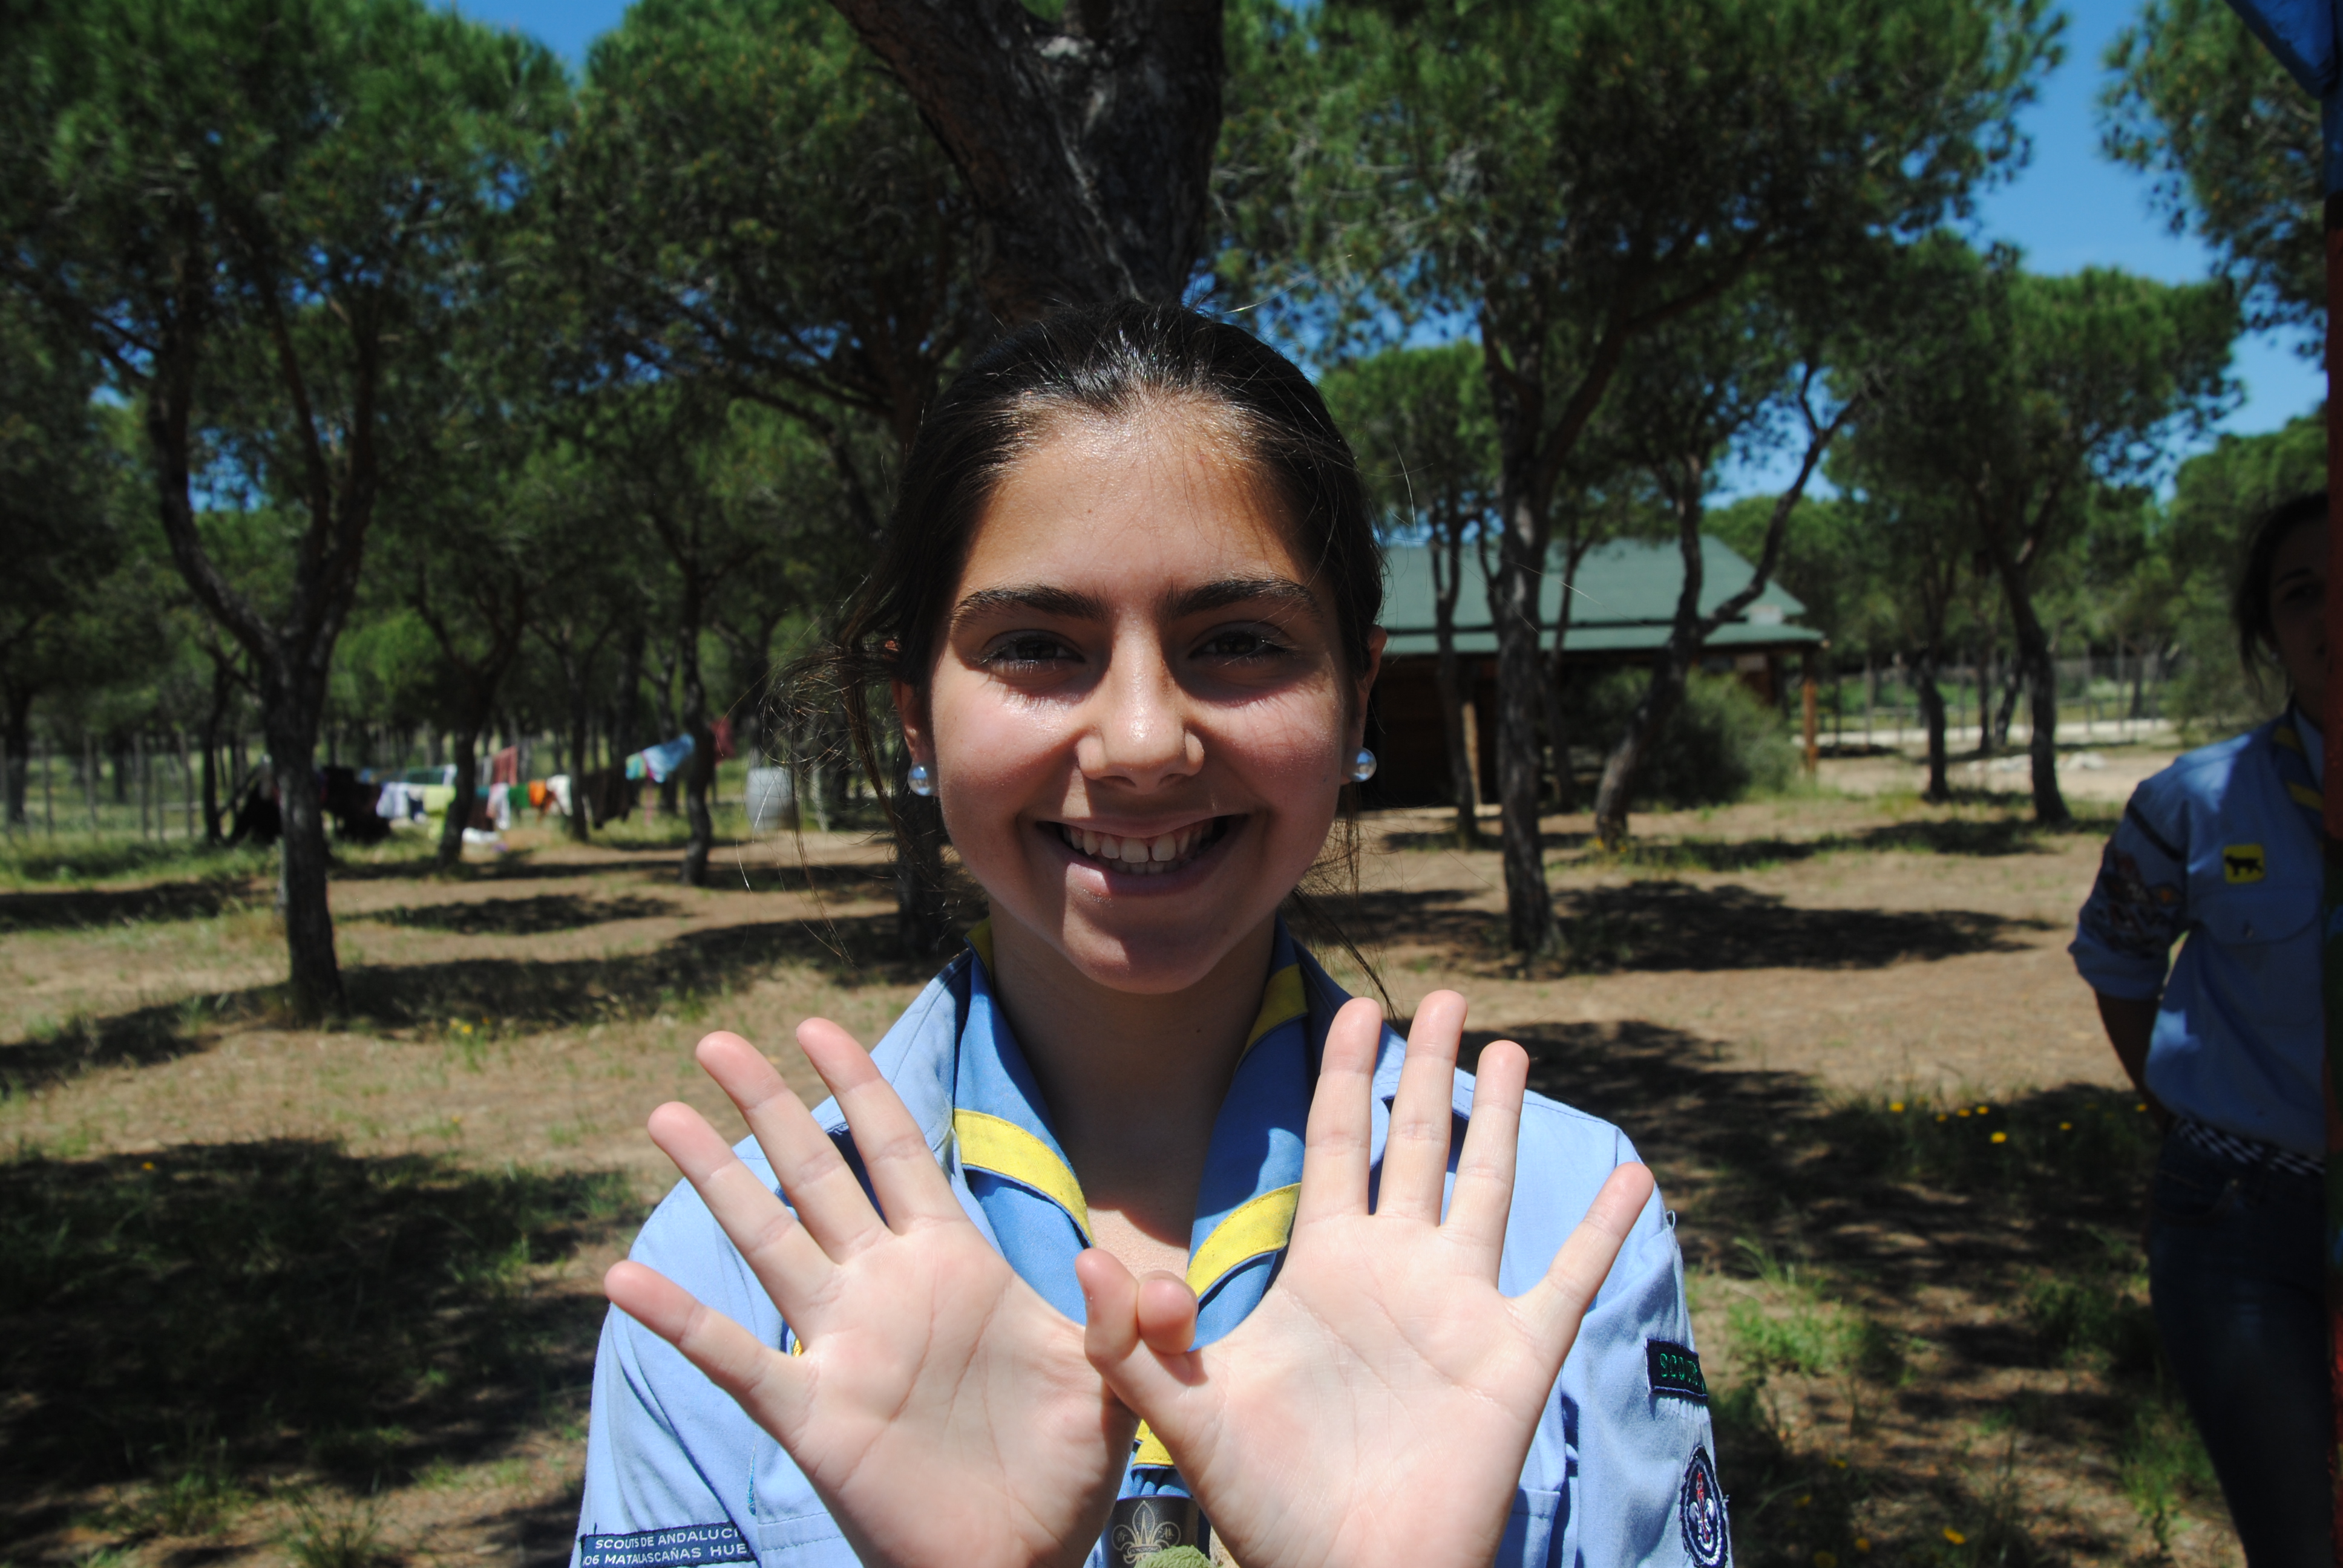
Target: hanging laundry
[[661, 761], [721, 733], [503, 768], [436, 798], [558, 788]]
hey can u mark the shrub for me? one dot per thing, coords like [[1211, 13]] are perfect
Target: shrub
[[1720, 745]]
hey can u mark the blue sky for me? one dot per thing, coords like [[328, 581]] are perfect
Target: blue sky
[[2069, 209]]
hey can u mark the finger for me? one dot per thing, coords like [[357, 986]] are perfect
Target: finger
[[1167, 1313], [1109, 1306], [813, 1176], [1556, 1304], [762, 1381], [910, 1185], [1415, 1151], [1483, 1198], [1164, 1388], [786, 1260], [1342, 1117]]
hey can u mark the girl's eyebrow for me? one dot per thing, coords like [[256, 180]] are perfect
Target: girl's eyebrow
[[1043, 598], [1220, 594]]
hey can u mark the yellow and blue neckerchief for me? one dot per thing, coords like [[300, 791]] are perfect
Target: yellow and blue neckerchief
[[1253, 1175], [2294, 772]]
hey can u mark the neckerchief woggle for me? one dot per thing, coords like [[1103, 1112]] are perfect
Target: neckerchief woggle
[[1244, 1208], [2294, 767]]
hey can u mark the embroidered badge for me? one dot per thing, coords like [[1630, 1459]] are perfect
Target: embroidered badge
[[1676, 1370], [2242, 863], [1139, 1527], [1700, 1510], [685, 1546]]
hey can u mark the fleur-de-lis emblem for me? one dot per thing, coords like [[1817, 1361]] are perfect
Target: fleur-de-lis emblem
[[1150, 1536]]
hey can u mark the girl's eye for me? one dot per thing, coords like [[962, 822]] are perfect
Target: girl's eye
[[1245, 644], [1027, 652]]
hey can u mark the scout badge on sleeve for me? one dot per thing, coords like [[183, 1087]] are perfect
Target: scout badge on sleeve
[[1700, 1509]]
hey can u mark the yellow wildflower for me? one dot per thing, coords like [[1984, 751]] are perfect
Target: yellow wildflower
[[2001, 1138], [1955, 1536]]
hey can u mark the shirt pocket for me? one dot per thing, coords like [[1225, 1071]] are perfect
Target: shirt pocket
[[2264, 930]]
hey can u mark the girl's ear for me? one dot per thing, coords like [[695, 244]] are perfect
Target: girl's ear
[[911, 712], [1376, 638]]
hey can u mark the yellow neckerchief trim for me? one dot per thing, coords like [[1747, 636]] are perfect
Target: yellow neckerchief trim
[[2285, 735], [1261, 1225], [1283, 1001], [993, 1144]]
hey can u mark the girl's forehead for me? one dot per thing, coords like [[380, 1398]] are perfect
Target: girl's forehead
[[2304, 548], [1135, 501]]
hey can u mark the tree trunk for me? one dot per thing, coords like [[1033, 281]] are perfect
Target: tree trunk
[[291, 726], [221, 692], [1448, 681], [1669, 668], [18, 752], [1086, 143], [1932, 710], [450, 852], [700, 768], [1520, 681], [579, 825], [2034, 663]]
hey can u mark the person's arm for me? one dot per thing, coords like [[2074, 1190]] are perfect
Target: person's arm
[[2130, 1022]]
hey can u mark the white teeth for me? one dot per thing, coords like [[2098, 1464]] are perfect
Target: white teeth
[[1140, 857]]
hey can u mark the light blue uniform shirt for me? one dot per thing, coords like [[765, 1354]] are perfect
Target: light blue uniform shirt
[[1620, 1470], [2222, 846]]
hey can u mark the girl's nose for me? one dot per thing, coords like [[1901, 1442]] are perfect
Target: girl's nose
[[1140, 733]]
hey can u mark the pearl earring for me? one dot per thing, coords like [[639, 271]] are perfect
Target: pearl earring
[[921, 782], [1362, 766]]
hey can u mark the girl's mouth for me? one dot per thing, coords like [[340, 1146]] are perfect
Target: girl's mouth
[[1135, 857]]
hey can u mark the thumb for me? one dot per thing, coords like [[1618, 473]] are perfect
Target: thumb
[[1127, 1324]]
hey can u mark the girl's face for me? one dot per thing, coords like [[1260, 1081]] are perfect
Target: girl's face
[[2297, 614], [1139, 716]]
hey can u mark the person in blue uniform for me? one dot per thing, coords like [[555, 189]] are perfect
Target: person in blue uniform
[[1136, 1231], [2222, 849]]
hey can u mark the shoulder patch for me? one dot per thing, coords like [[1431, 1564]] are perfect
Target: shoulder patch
[[2243, 863], [1700, 1512], [1676, 1370], [683, 1546]]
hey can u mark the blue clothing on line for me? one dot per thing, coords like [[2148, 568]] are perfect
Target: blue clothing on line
[[1620, 1470], [2222, 846]]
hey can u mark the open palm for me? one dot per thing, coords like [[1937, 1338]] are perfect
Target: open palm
[[941, 1408], [1377, 1405]]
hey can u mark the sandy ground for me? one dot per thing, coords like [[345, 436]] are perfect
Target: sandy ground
[[1786, 958]]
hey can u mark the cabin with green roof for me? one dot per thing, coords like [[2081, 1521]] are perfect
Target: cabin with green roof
[[1623, 600]]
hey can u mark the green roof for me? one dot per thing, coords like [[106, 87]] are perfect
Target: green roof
[[1624, 600]]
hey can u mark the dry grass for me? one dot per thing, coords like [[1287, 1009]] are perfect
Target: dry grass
[[1917, 1333]]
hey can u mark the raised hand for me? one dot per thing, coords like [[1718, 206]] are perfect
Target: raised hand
[[941, 1408], [1377, 1407]]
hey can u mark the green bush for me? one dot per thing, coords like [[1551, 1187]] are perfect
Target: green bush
[[1719, 745]]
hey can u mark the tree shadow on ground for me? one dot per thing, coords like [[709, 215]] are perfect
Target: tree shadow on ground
[[1662, 926], [683, 976], [538, 916], [76, 909], [1888, 1209], [261, 1309]]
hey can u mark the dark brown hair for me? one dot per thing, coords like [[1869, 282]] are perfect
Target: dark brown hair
[[1108, 362], [2249, 606]]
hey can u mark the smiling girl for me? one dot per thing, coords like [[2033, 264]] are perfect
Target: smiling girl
[[1134, 1230]]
